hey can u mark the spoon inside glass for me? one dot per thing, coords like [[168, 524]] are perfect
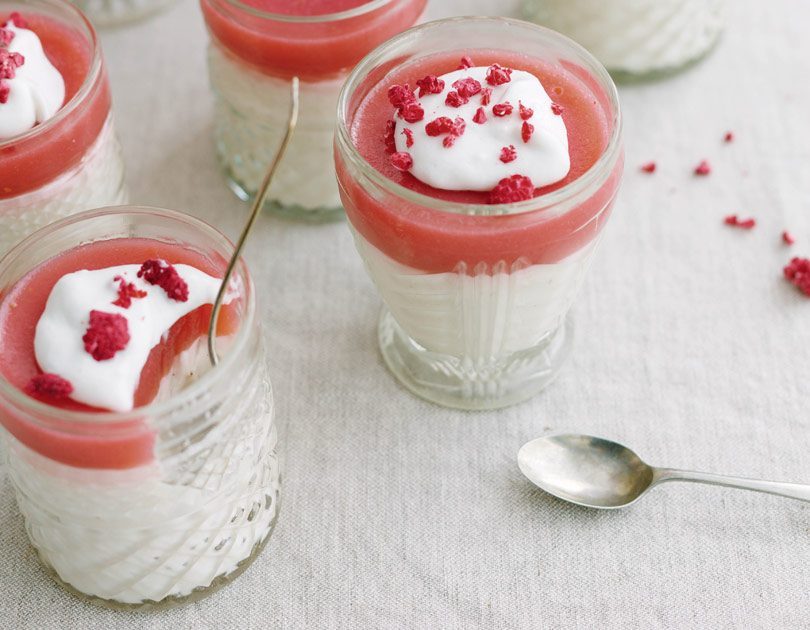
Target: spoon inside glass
[[598, 473]]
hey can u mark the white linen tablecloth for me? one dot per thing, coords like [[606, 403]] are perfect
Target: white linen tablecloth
[[690, 347]]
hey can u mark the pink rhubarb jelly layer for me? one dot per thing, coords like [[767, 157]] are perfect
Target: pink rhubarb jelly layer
[[85, 444], [437, 241], [310, 50], [36, 159]]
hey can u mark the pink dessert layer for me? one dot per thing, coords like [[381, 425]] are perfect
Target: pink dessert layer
[[312, 51], [35, 160], [85, 444], [437, 241]]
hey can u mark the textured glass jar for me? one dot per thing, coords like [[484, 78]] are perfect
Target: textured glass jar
[[70, 163], [252, 57], [487, 329], [636, 39], [168, 502], [118, 12]]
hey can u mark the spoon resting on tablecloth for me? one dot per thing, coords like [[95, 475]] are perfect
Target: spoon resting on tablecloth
[[597, 473]]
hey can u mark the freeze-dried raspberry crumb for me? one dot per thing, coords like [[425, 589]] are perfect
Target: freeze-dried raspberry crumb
[[107, 334], [9, 62], [508, 154], [6, 35], [408, 137], [443, 124], [431, 84], [399, 95], [466, 62], [486, 96], [480, 116], [525, 112], [556, 109], [5, 90], [454, 99], [390, 142], [164, 275], [703, 168], [498, 75], [797, 273], [449, 141], [734, 221], [649, 167], [788, 238], [467, 88], [402, 161], [512, 189], [17, 20], [502, 109], [412, 112], [49, 386], [526, 131], [126, 292], [729, 137]]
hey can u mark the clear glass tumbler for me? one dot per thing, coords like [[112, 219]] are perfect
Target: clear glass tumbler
[[252, 56], [636, 39], [166, 503], [476, 295], [71, 162]]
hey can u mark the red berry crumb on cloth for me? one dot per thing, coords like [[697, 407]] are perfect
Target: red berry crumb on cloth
[[649, 167], [734, 221], [797, 272]]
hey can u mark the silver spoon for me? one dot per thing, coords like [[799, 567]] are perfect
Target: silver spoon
[[598, 473]]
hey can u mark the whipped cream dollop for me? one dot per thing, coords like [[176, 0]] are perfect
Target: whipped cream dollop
[[506, 128], [111, 383], [31, 89]]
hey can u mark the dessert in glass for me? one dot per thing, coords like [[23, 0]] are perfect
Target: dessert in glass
[[478, 160], [58, 150], [145, 476], [636, 39], [256, 47], [118, 12]]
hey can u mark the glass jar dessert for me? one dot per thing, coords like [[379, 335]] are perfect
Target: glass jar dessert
[[146, 477], [118, 12], [478, 160], [636, 39], [256, 47], [58, 150]]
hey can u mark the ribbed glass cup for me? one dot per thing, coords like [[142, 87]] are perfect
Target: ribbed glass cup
[[164, 504]]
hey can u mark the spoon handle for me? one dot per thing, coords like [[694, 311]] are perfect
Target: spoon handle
[[790, 490]]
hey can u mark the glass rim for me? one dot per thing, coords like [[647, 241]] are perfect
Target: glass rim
[[368, 7], [540, 203], [18, 399], [93, 73]]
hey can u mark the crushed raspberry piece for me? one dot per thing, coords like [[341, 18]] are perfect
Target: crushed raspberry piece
[[486, 96], [431, 84], [5, 90], [400, 95], [502, 109], [525, 112], [412, 112], [408, 137], [512, 189], [390, 142], [480, 116], [6, 36], [735, 221], [454, 99], [498, 75], [797, 273], [17, 20], [729, 137], [508, 154], [402, 161], [556, 109], [49, 386], [466, 62], [649, 167], [439, 126], [787, 238], [107, 334], [126, 292], [164, 275], [526, 131], [9, 62], [449, 141], [467, 88], [703, 168]]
